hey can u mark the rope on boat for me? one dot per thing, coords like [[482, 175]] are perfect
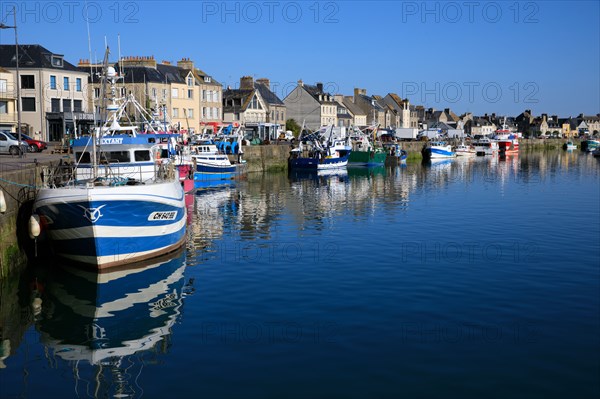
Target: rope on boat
[[18, 184]]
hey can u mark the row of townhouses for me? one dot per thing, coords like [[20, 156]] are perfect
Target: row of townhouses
[[57, 97]]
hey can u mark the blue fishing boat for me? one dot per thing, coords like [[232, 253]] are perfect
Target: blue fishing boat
[[210, 159], [117, 202], [316, 153], [438, 150]]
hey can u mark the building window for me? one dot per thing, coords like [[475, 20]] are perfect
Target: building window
[[55, 105], [164, 93], [190, 113], [207, 79], [175, 112], [28, 104], [27, 82], [53, 82], [3, 87], [174, 93], [57, 61], [3, 107], [66, 105], [123, 91], [96, 92], [204, 113], [190, 93], [154, 92], [214, 113], [77, 106], [203, 95], [78, 84], [254, 103], [190, 81], [66, 83]]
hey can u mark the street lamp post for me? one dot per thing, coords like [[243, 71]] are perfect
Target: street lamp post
[[18, 83]]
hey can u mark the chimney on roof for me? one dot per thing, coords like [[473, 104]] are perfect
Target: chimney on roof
[[84, 63], [358, 92], [265, 82], [300, 83], [185, 63], [320, 87], [246, 83], [165, 62], [139, 61]]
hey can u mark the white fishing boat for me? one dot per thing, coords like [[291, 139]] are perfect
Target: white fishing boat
[[117, 202], [569, 146], [485, 146], [464, 150]]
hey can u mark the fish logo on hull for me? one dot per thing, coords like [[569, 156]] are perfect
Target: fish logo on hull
[[92, 214]]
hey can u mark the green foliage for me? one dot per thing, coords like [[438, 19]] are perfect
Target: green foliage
[[292, 125]]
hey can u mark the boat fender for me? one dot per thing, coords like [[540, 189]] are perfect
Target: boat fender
[[35, 228], [2, 202]]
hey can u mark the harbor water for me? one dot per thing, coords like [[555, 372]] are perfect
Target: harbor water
[[465, 278]]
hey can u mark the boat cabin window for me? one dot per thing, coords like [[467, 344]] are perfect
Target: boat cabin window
[[115, 156], [83, 158], [141, 156]]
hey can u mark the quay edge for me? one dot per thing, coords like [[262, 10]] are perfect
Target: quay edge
[[17, 182]]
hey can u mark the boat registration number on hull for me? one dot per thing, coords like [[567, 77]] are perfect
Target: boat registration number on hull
[[170, 215]]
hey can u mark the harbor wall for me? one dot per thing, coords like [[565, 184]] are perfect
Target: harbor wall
[[17, 183]]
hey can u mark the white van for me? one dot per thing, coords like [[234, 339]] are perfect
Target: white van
[[9, 144]]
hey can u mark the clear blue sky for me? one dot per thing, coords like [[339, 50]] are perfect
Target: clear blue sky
[[471, 56]]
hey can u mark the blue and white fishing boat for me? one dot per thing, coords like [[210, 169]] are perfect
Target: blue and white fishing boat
[[117, 202], [211, 166], [590, 145], [320, 153], [438, 150]]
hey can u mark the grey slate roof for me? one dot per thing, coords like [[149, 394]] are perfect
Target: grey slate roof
[[351, 107], [315, 93], [31, 56], [267, 95]]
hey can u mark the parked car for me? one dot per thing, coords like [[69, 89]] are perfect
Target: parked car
[[10, 145], [34, 145]]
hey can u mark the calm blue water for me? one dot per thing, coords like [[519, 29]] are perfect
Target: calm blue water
[[462, 279]]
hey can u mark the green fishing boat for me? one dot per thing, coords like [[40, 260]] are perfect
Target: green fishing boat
[[364, 153]]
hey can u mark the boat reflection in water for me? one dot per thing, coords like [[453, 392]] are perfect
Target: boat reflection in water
[[106, 320]]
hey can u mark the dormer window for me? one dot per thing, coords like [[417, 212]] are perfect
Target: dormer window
[[190, 81], [207, 79], [57, 61]]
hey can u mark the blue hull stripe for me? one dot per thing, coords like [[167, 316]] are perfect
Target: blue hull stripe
[[313, 163], [215, 169], [114, 213], [105, 246]]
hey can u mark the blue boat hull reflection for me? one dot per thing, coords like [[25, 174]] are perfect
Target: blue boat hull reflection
[[107, 317]]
